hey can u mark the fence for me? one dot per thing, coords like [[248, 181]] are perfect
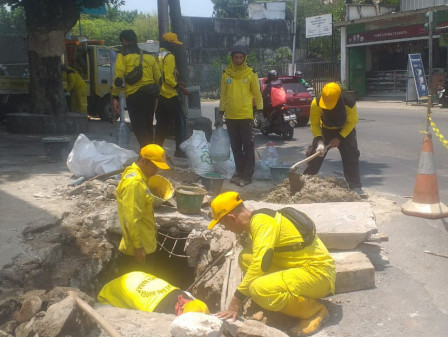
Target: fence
[[317, 72]]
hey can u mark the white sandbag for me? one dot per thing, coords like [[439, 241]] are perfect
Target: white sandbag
[[197, 150], [226, 168], [90, 158], [194, 324]]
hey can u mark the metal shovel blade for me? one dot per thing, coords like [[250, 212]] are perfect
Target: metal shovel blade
[[295, 179]]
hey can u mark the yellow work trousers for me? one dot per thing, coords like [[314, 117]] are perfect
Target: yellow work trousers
[[278, 287], [78, 101]]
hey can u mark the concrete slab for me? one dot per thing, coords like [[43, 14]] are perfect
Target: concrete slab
[[354, 271], [340, 225]]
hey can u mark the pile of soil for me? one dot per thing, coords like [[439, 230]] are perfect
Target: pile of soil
[[314, 189]]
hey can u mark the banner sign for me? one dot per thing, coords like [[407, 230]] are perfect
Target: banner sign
[[387, 34], [417, 85], [320, 25]]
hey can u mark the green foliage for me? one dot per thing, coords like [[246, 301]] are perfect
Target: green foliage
[[230, 8], [12, 22]]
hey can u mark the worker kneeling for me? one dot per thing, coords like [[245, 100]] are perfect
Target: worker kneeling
[[288, 267], [142, 291]]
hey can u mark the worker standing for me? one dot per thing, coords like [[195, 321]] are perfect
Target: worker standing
[[135, 211], [239, 85], [169, 107], [333, 117], [77, 89], [287, 268], [141, 91], [145, 292]]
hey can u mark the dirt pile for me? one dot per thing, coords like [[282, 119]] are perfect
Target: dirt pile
[[314, 189]]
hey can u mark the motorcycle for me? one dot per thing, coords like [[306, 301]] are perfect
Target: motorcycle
[[280, 121], [442, 95]]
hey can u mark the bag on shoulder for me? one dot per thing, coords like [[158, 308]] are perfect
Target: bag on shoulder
[[135, 74], [151, 89]]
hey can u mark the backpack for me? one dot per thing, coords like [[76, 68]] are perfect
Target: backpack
[[278, 96], [304, 225]]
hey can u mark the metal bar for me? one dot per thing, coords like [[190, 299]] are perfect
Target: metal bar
[[172, 249]]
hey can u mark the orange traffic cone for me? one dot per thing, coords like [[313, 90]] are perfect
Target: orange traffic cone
[[425, 202]]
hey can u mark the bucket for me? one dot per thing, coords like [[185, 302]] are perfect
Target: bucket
[[189, 199], [56, 148], [279, 172], [161, 189], [212, 182]]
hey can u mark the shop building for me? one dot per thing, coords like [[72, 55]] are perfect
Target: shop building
[[374, 49]]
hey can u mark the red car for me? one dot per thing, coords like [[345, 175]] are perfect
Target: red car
[[298, 97]]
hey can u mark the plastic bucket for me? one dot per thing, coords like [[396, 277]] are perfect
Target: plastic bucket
[[189, 199], [56, 148], [161, 189], [212, 182], [279, 172]]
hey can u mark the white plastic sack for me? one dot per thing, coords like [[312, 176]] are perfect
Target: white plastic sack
[[220, 144], [226, 168], [197, 150], [89, 158]]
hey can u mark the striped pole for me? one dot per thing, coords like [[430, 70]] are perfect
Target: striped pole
[[425, 202]]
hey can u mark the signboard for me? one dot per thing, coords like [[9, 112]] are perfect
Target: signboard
[[417, 87], [94, 11], [387, 34], [320, 25]]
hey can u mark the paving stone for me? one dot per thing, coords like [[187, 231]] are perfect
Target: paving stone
[[354, 271], [340, 225]]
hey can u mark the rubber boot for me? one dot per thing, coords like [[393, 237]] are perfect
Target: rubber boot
[[311, 314]]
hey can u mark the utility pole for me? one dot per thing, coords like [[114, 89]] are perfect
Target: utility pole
[[162, 12], [178, 28], [430, 25], [294, 31]]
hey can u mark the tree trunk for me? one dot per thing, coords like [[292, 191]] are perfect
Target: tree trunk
[[46, 90]]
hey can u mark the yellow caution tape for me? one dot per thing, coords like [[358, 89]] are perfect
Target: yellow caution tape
[[437, 133]]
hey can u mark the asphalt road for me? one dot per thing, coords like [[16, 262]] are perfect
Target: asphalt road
[[389, 140]]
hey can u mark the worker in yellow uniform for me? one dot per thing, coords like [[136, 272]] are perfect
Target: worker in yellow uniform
[[77, 89], [141, 91], [135, 211], [145, 292], [239, 85], [288, 267], [333, 119], [169, 109]]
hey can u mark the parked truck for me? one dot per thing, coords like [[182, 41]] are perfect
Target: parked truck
[[90, 58]]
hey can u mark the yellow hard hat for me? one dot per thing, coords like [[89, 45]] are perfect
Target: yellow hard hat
[[223, 204], [156, 154], [171, 37], [195, 306], [330, 96]]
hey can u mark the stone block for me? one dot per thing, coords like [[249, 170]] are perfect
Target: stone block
[[354, 271], [30, 307], [340, 225], [57, 319]]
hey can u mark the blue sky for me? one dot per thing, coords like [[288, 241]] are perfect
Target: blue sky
[[188, 7]]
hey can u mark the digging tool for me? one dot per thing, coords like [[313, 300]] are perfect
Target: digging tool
[[295, 183], [94, 315]]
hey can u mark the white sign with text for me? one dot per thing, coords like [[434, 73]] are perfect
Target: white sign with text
[[320, 25]]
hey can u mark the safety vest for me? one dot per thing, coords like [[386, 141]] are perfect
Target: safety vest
[[337, 116]]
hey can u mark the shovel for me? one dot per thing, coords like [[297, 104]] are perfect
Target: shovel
[[295, 183]]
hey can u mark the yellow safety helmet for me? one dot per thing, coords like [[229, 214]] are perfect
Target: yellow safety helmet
[[195, 306], [156, 154], [223, 204], [330, 96]]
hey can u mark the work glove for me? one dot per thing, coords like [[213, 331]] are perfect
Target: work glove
[[320, 148], [219, 120]]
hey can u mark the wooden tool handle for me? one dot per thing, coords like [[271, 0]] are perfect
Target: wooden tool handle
[[96, 316], [306, 160]]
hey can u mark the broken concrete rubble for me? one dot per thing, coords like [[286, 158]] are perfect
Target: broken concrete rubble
[[193, 324]]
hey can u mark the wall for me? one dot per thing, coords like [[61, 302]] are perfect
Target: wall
[[207, 39], [409, 5]]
